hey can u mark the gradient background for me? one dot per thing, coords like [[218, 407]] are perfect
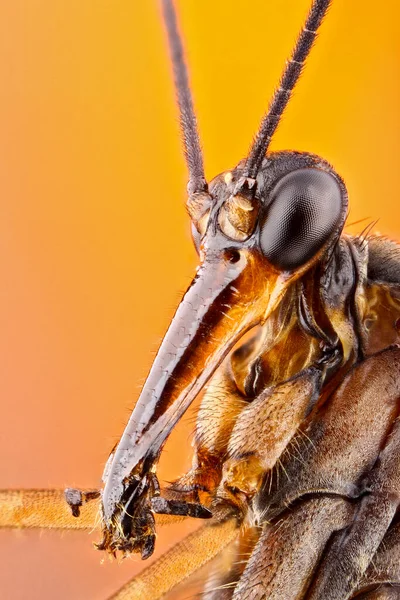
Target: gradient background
[[95, 250]]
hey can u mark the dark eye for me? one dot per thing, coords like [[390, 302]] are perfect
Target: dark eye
[[305, 208]]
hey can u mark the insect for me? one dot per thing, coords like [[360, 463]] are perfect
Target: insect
[[331, 366]]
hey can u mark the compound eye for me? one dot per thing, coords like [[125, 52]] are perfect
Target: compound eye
[[304, 210]]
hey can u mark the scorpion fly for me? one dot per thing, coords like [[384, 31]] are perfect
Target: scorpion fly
[[290, 329]]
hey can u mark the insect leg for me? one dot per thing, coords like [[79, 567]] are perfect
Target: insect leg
[[385, 566], [284, 558], [44, 509], [341, 441], [48, 509], [181, 561], [220, 407], [348, 558], [227, 571], [263, 431]]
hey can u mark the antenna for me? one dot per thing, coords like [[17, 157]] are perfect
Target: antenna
[[282, 95], [194, 159]]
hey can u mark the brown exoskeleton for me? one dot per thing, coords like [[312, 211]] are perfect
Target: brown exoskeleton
[[284, 461]]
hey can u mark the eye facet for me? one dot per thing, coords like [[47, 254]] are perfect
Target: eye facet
[[304, 210]]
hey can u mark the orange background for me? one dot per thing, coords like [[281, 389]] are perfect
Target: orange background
[[95, 250]]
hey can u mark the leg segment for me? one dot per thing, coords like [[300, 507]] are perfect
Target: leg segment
[[220, 407], [230, 565], [347, 560], [263, 431], [44, 509], [48, 509], [338, 446], [339, 455], [285, 557], [385, 566], [180, 562]]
